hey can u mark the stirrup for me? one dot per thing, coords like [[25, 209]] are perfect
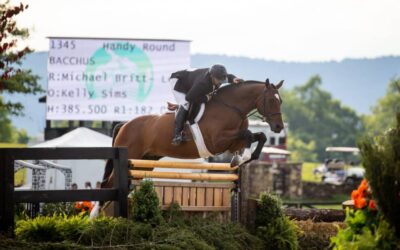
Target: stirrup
[[177, 140], [184, 137]]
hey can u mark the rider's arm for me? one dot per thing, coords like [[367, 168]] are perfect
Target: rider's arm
[[234, 79], [231, 77]]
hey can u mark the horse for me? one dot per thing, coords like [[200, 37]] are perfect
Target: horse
[[224, 126]]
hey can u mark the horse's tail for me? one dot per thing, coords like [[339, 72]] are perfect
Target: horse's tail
[[109, 165], [116, 130]]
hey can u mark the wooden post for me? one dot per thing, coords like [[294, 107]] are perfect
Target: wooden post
[[244, 194], [7, 193], [121, 182]]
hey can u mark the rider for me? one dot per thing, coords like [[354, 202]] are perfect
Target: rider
[[196, 86]]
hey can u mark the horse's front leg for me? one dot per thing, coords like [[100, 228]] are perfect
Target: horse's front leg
[[261, 139], [249, 138]]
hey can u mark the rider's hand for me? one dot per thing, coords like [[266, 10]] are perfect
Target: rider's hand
[[237, 80], [209, 96]]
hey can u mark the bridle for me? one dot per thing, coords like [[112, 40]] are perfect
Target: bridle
[[265, 116], [242, 115]]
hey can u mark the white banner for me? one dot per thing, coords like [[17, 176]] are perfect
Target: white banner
[[109, 79]]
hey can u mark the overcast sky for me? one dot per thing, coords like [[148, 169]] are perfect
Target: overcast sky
[[288, 30]]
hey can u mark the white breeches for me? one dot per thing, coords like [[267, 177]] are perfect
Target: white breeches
[[180, 98]]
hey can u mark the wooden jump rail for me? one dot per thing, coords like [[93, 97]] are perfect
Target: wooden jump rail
[[139, 174], [182, 165]]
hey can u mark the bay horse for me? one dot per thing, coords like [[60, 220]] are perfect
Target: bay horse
[[224, 126]]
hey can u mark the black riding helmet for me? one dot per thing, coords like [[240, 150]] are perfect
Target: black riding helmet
[[219, 71]]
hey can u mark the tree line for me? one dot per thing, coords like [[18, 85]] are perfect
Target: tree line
[[317, 120]]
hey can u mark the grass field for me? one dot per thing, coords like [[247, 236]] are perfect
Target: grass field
[[307, 172], [20, 177]]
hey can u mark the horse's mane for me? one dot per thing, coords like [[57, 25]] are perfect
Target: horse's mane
[[232, 86]]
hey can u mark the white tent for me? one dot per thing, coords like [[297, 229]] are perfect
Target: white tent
[[82, 170]]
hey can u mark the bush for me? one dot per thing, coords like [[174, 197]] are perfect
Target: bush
[[51, 228], [108, 231], [272, 226], [364, 232], [223, 235], [381, 159], [71, 228], [194, 233], [269, 208], [146, 206], [39, 229]]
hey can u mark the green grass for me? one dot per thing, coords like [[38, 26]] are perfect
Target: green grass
[[336, 198], [307, 172], [12, 145], [20, 177]]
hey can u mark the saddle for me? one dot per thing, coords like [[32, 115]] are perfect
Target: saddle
[[196, 111]]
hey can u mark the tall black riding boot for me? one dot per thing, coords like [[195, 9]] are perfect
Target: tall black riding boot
[[179, 124]]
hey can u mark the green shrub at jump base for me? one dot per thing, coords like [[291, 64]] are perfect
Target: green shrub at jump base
[[276, 230]]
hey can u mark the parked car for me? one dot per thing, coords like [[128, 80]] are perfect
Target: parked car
[[341, 170]]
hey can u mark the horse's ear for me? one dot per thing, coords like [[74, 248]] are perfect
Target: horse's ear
[[267, 82], [279, 84]]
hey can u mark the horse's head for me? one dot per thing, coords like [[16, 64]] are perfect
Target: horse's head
[[269, 106]]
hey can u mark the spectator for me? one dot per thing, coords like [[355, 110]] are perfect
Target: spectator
[[74, 186]]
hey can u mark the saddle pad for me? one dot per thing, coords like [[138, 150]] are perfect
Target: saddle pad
[[198, 139]]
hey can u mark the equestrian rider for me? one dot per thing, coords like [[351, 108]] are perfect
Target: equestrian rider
[[196, 87]]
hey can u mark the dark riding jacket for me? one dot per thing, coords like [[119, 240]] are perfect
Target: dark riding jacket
[[196, 84]]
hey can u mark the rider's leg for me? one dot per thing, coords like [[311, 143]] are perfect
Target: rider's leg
[[179, 125], [181, 114]]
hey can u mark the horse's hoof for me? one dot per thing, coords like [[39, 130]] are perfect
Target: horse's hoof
[[176, 142]]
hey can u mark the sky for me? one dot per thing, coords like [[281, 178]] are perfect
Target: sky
[[284, 30]]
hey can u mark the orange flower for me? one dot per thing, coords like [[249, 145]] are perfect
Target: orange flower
[[361, 195], [83, 206], [355, 195], [372, 205], [360, 202], [363, 188]]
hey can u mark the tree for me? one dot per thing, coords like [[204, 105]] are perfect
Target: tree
[[381, 159], [6, 128], [384, 112], [314, 116], [300, 150], [13, 79]]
